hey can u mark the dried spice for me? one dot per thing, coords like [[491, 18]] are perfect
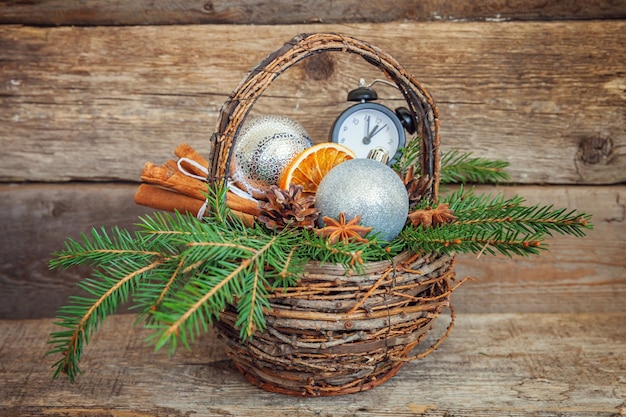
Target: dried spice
[[340, 230], [430, 217]]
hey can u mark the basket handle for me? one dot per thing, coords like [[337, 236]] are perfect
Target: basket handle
[[236, 108]]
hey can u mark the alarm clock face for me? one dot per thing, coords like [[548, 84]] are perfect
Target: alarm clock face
[[367, 126]]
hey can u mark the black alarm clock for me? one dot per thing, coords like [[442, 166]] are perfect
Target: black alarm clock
[[366, 126]]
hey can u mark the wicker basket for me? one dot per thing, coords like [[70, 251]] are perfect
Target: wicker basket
[[336, 333]]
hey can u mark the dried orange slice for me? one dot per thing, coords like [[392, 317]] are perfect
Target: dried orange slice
[[309, 167]]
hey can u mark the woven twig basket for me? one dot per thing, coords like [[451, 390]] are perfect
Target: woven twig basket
[[337, 333]]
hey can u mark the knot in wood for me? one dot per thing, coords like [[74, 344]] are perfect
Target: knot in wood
[[348, 324], [319, 67], [595, 150]]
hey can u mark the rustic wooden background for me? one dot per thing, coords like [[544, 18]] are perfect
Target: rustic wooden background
[[83, 106], [91, 90]]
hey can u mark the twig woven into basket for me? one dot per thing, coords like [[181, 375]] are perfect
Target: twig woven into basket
[[234, 111], [334, 332]]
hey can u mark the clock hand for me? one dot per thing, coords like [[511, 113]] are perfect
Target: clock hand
[[367, 137], [376, 131]]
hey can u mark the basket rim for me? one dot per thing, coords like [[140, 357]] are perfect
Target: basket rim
[[235, 110]]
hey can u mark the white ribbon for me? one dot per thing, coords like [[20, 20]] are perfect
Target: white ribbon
[[232, 187]]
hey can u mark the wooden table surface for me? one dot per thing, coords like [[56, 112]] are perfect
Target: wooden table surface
[[492, 365]]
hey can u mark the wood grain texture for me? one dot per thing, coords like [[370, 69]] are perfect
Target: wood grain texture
[[574, 275], [142, 12], [36, 221], [96, 103], [492, 365]]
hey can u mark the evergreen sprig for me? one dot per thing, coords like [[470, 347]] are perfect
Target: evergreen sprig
[[494, 224], [120, 262], [179, 273], [462, 238], [496, 212], [456, 167]]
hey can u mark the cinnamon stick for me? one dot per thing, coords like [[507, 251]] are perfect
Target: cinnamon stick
[[185, 193], [174, 180], [185, 151], [241, 204], [163, 199]]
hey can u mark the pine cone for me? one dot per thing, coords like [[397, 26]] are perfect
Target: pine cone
[[416, 187], [288, 208]]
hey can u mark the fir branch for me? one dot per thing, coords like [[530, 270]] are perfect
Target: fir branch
[[496, 212], [351, 254], [456, 167], [192, 308], [224, 268], [101, 249], [458, 238], [173, 263], [83, 315], [494, 224]]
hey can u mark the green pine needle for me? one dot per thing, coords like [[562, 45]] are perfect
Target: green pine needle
[[459, 167], [456, 167], [459, 238], [179, 273], [496, 212], [494, 224], [121, 266]]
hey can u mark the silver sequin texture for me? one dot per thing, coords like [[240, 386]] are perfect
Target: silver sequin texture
[[263, 149], [368, 188]]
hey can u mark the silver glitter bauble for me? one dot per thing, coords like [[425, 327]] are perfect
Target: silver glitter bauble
[[367, 188], [263, 150]]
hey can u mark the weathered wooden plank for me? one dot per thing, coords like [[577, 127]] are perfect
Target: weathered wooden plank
[[575, 275], [95, 103], [36, 221], [142, 12], [491, 365]]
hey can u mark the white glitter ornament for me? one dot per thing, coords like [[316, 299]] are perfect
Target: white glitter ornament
[[263, 150], [367, 188]]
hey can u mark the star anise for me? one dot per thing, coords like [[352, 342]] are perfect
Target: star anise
[[432, 216], [340, 230], [288, 208]]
